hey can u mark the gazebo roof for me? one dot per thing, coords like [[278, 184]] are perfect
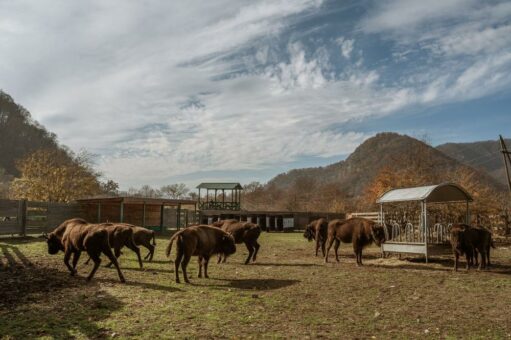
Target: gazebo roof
[[445, 192], [219, 186]]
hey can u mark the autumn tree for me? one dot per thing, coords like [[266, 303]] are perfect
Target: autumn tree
[[55, 176]]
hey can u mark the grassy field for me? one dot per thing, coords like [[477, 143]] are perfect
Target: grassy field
[[288, 293]]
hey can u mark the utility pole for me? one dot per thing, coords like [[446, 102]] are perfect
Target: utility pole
[[507, 159]]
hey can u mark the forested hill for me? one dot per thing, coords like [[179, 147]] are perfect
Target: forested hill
[[484, 155], [385, 161], [20, 135]]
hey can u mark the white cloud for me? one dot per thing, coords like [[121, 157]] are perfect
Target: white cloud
[[346, 46], [169, 89]]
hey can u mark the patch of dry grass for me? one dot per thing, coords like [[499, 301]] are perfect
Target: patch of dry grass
[[288, 293]]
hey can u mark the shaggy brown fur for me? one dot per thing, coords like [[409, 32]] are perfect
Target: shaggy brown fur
[[202, 241], [317, 230], [471, 241], [83, 237], [59, 231], [243, 232], [360, 232]]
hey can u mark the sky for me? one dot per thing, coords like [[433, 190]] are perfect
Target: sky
[[230, 90]]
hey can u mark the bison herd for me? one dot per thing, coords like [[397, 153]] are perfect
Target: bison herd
[[220, 238], [473, 242], [77, 235]]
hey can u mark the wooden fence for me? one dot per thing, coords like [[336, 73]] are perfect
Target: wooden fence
[[24, 217]]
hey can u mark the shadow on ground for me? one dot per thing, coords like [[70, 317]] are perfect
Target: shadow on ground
[[41, 301]]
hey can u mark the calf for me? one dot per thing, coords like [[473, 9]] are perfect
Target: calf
[[202, 241], [143, 237], [471, 241], [243, 232], [360, 232], [83, 237], [317, 230]]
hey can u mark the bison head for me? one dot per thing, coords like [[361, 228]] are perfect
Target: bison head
[[309, 233], [54, 244], [378, 234], [227, 245]]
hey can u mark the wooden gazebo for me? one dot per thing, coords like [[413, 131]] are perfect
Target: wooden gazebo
[[213, 203], [147, 212]]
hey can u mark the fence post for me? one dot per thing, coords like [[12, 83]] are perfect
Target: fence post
[[22, 215]]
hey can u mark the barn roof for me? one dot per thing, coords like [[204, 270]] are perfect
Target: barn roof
[[219, 186], [137, 200], [445, 192]]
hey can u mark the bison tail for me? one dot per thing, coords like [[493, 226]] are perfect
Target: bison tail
[[169, 247]]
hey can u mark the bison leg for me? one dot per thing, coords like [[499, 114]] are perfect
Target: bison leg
[[137, 251], [250, 252], [456, 259], [200, 267], [97, 262], [337, 244], [177, 262], [76, 257], [67, 256], [117, 253], [206, 262], [184, 264], [219, 258], [323, 246], [329, 242], [149, 255], [256, 246], [108, 252], [482, 264]]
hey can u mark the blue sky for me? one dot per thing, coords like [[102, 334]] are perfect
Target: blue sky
[[195, 91]]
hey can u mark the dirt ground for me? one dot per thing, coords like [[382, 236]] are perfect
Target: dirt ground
[[287, 293]]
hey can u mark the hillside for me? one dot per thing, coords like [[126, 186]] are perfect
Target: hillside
[[20, 135], [349, 180], [484, 155]]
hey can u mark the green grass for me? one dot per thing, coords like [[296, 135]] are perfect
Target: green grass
[[288, 293]]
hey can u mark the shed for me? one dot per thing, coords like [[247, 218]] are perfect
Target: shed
[[225, 203], [154, 213], [423, 237]]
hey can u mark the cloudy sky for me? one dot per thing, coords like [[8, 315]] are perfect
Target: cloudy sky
[[189, 91]]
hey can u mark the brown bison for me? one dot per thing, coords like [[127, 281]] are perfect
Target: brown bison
[[147, 238], [471, 241], [317, 230], [243, 232], [79, 237], [120, 235], [360, 232], [202, 241]]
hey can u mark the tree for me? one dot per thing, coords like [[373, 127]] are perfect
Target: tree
[[174, 191], [110, 188], [55, 176]]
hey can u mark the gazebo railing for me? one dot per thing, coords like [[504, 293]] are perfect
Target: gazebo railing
[[219, 206]]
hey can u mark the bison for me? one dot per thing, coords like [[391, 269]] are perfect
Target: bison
[[317, 230], [471, 241], [120, 235], [243, 232], [78, 237], [360, 232], [202, 241]]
